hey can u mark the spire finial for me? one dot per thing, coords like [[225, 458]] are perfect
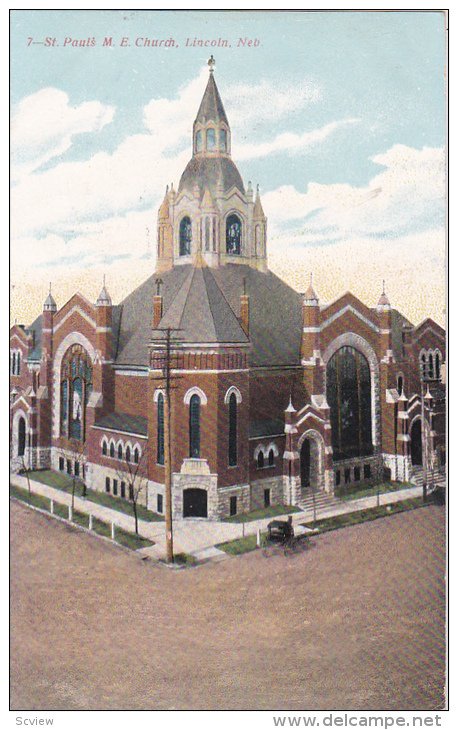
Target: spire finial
[[104, 281], [50, 287], [383, 286], [211, 64], [311, 278]]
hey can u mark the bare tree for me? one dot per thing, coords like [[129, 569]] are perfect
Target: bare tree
[[133, 473], [76, 450], [25, 469]]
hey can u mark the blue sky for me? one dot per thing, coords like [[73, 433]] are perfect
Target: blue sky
[[331, 111]]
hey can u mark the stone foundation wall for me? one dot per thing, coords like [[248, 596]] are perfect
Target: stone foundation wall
[[242, 492], [208, 482], [274, 484], [400, 467], [349, 465]]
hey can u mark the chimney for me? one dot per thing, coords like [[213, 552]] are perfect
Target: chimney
[[157, 304], [245, 310]]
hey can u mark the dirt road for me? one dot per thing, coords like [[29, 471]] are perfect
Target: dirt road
[[356, 622]]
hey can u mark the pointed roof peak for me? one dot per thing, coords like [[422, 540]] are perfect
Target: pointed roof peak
[[383, 301], [104, 299], [290, 408], [211, 107], [258, 211], [49, 303], [207, 200], [310, 296]]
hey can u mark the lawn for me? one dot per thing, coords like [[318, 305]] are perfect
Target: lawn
[[261, 514], [371, 491], [128, 539], [65, 482], [239, 546]]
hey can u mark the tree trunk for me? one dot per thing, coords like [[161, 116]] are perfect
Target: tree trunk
[[73, 493], [135, 516]]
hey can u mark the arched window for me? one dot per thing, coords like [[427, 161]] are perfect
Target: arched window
[[185, 236], [223, 140], [423, 365], [400, 384], [13, 363], [21, 437], [271, 457], [207, 234], [120, 452], [233, 234], [136, 455], [104, 448], [348, 391], [112, 450], [232, 430], [199, 141], [128, 454], [431, 366], [76, 387], [438, 366], [194, 427], [211, 139], [257, 240], [160, 429], [260, 460]]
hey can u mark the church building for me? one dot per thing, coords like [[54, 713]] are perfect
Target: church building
[[274, 395]]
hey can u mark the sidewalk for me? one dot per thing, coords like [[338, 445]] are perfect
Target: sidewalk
[[198, 536]]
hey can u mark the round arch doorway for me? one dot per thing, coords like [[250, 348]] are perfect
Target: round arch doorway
[[195, 503], [416, 449]]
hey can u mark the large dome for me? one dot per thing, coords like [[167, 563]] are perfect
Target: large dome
[[210, 172]]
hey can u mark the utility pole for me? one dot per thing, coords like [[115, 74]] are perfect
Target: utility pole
[[166, 342], [424, 456], [167, 450]]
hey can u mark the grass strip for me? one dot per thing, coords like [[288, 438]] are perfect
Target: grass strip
[[260, 514], [36, 500], [239, 546], [366, 515], [64, 482], [349, 494]]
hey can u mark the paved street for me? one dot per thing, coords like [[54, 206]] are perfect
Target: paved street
[[356, 621]]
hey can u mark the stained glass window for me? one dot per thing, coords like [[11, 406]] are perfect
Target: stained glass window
[[199, 141], [223, 140], [348, 392], [160, 429], [185, 236], [76, 386], [232, 430], [233, 234], [194, 427]]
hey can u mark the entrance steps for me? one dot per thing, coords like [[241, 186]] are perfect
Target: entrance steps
[[439, 477], [323, 500]]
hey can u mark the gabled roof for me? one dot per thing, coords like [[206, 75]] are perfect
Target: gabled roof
[[211, 107], [124, 423]]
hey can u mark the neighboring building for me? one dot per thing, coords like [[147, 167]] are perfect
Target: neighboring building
[[86, 390]]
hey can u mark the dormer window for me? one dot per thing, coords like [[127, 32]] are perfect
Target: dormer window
[[185, 236], [223, 140], [211, 140], [233, 235], [199, 141]]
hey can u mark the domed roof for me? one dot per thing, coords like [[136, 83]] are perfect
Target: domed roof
[[210, 172]]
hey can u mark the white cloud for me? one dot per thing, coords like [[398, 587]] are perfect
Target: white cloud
[[43, 125], [408, 195], [289, 141]]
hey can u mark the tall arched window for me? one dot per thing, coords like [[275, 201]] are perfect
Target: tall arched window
[[211, 139], [207, 234], [431, 366], [233, 234], [104, 448], [260, 460], [423, 366], [438, 366], [76, 387], [136, 456], [185, 236], [128, 454], [120, 452], [400, 384], [160, 429], [232, 430], [348, 391], [112, 450], [194, 427], [199, 141], [21, 437], [223, 140]]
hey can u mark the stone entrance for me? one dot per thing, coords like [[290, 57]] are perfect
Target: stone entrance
[[195, 503]]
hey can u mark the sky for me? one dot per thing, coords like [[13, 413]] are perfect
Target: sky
[[339, 117]]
